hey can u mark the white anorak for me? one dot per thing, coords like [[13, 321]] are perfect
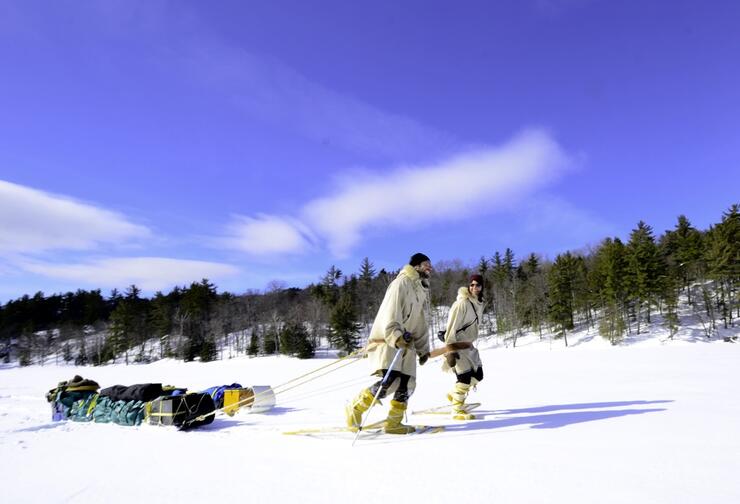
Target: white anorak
[[465, 314], [402, 310]]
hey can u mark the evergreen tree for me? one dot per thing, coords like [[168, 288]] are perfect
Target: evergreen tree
[[269, 342], [670, 317], [328, 291], [483, 266], [208, 350], [502, 291], [367, 272], [67, 352], [608, 281], [197, 305], [121, 332], [81, 359], [508, 264], [562, 280], [365, 293], [344, 325], [723, 261], [295, 340], [254, 344], [645, 267], [128, 325], [683, 251], [531, 307], [25, 349]]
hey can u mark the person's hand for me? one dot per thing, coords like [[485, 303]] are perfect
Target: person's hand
[[404, 341], [452, 358], [423, 359]]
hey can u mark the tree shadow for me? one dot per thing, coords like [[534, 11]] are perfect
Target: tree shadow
[[580, 406], [536, 420], [38, 428], [277, 411]]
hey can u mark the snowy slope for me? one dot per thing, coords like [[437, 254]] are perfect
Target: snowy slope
[[591, 423]]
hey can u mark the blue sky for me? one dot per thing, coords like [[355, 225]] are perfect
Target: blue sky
[[160, 142]]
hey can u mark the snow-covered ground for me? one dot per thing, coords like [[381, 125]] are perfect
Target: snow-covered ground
[[648, 422]]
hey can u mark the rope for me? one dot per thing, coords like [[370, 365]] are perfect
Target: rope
[[312, 379], [275, 390], [347, 384], [353, 354]]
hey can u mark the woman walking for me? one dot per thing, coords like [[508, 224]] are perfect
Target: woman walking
[[462, 327]]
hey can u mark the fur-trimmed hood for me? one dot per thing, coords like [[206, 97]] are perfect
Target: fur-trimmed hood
[[463, 293], [410, 272]]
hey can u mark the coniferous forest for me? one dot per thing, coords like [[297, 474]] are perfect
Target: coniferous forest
[[615, 287]]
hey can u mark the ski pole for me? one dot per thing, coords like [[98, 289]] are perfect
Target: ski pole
[[375, 398]]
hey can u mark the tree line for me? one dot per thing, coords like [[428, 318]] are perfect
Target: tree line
[[616, 287]]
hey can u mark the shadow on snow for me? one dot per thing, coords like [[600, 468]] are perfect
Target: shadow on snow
[[573, 415]]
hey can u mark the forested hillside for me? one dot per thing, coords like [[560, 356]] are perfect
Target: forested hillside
[[615, 287]]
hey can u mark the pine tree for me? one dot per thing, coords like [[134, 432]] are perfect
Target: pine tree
[[531, 307], [295, 340], [367, 272], [683, 251], [723, 261], [508, 263], [608, 282], [67, 352], [344, 325], [254, 344], [483, 266], [208, 350], [128, 325], [562, 280], [502, 291], [645, 267], [197, 305], [81, 359], [670, 317], [269, 342]]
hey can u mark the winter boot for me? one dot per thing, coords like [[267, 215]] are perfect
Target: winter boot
[[457, 397], [393, 423], [354, 411]]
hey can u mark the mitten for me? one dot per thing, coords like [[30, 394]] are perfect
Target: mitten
[[452, 358], [423, 359], [404, 341]]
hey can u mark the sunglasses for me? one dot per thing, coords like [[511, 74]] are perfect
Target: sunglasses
[[475, 285]]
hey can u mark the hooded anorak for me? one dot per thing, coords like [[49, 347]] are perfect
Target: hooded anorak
[[402, 310], [462, 326]]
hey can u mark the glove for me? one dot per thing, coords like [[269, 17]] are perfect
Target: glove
[[452, 358], [423, 359], [404, 340]]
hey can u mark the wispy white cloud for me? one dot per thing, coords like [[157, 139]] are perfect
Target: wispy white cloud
[[267, 234], [470, 184], [36, 221], [276, 93], [148, 273]]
